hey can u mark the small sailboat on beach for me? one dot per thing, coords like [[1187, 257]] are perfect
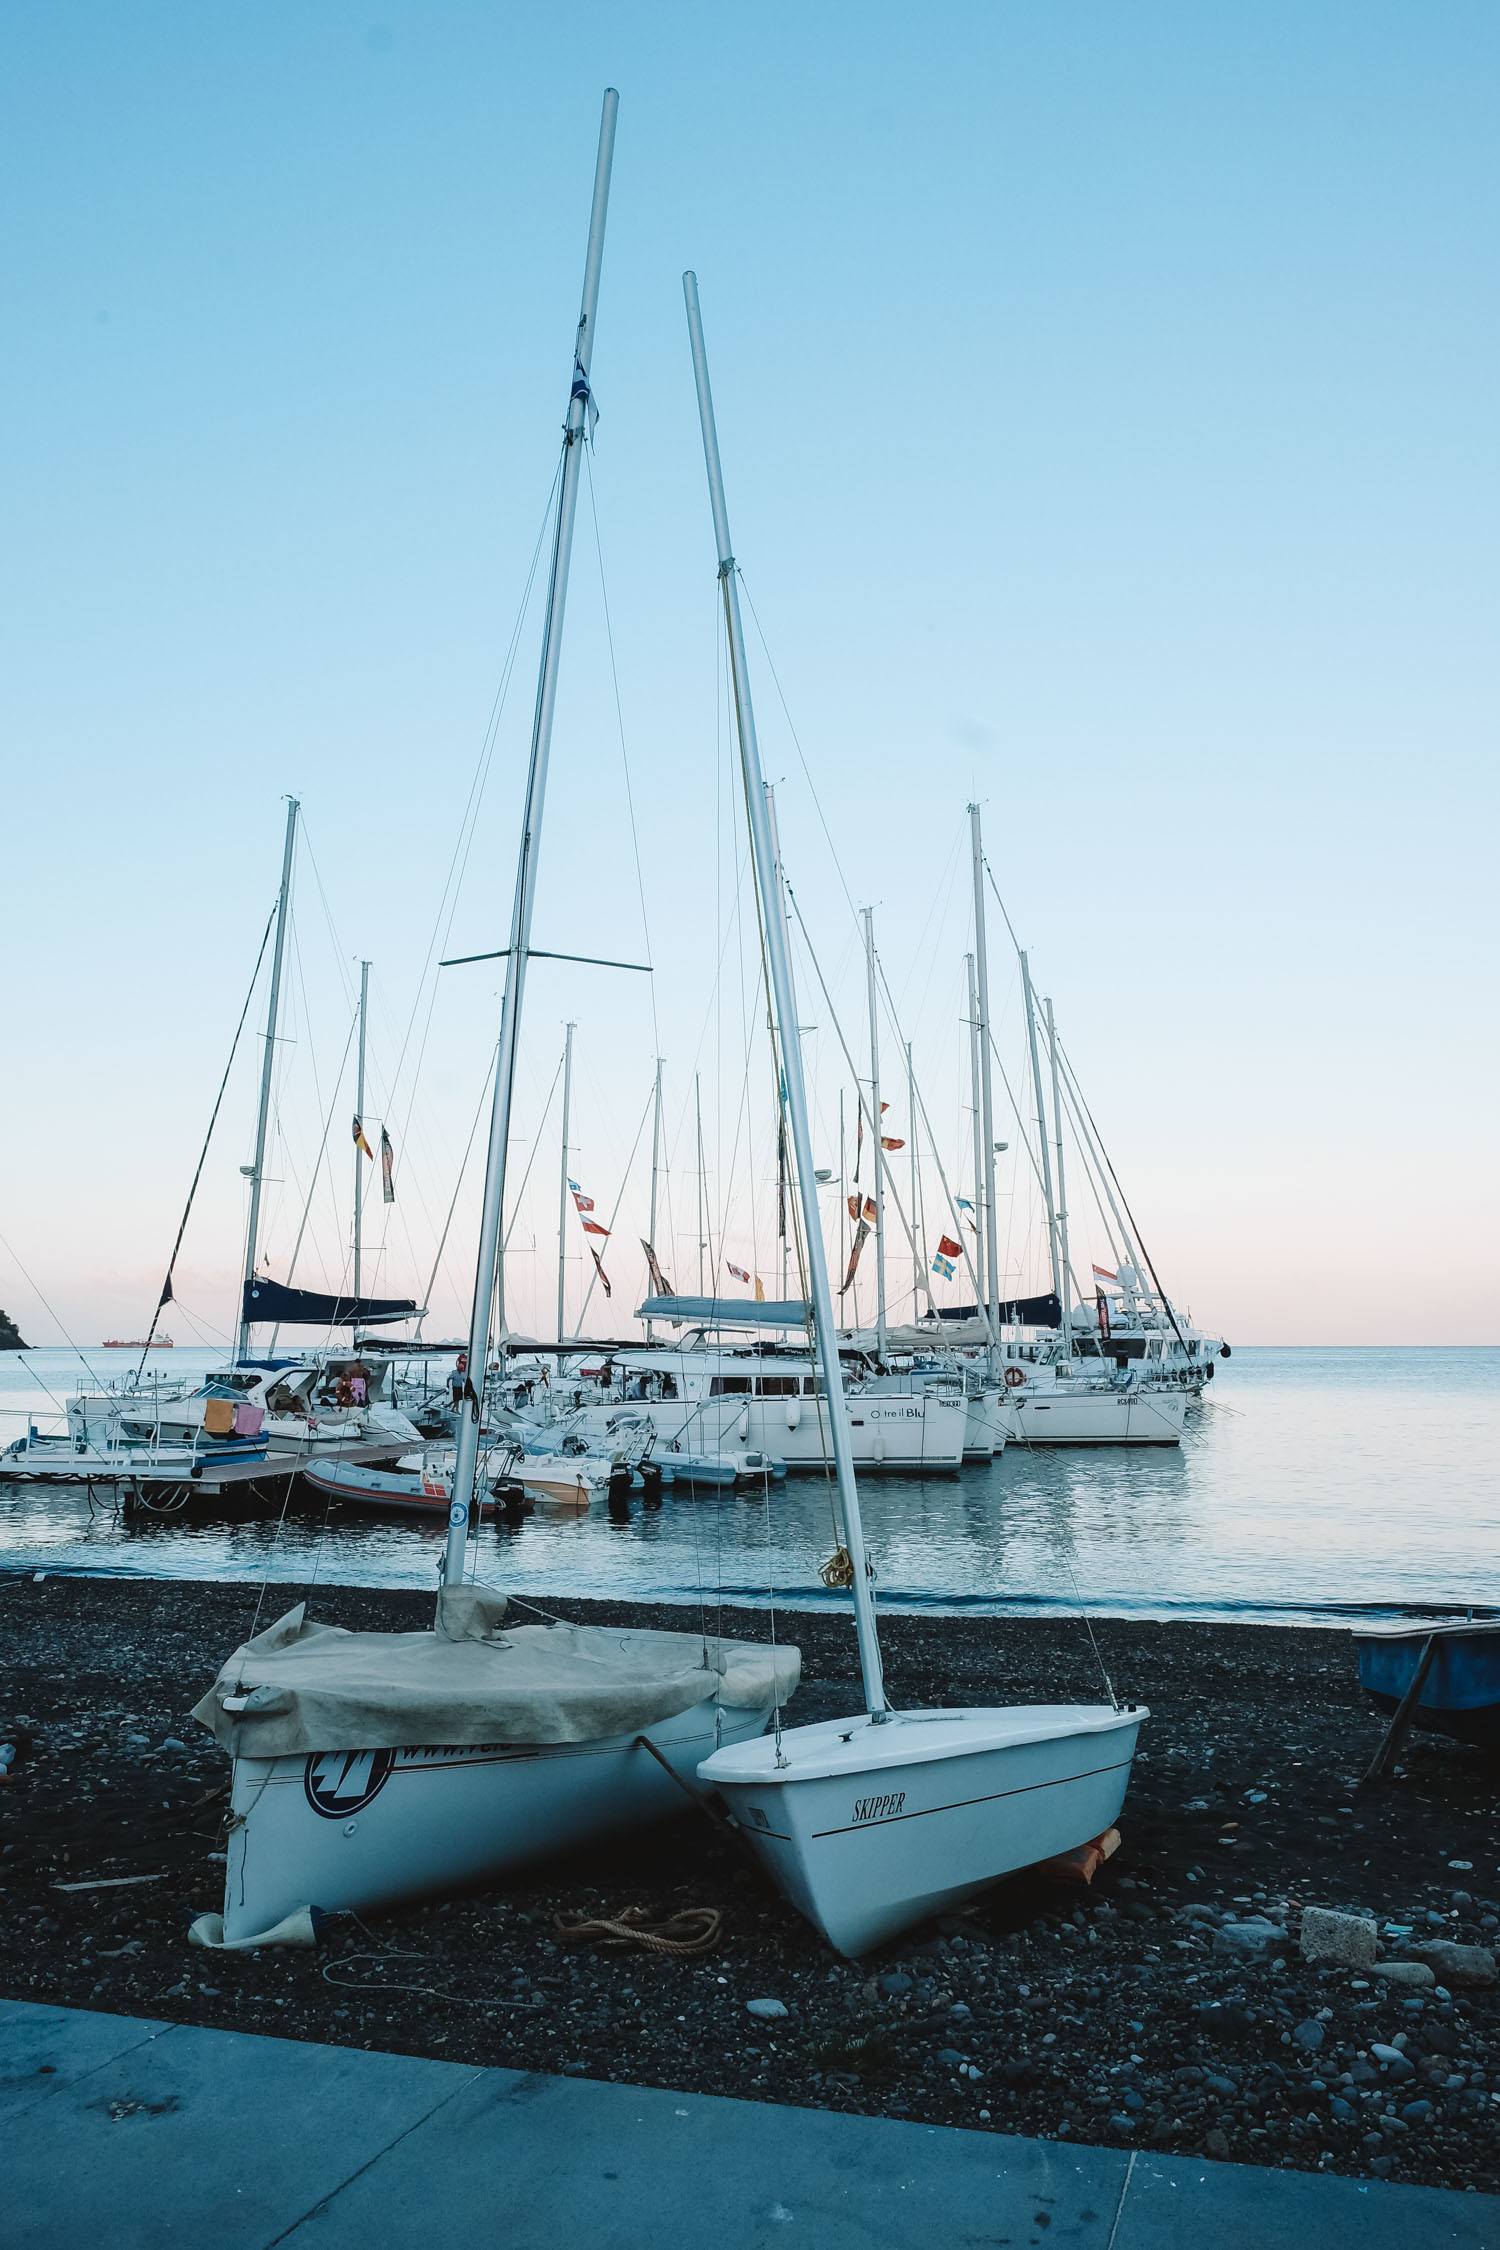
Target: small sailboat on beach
[[532, 1737], [872, 1822]]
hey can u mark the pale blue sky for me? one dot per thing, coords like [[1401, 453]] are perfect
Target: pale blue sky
[[1107, 403]]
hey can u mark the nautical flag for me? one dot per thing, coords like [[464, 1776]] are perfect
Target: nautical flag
[[871, 1212], [944, 1266], [166, 1293], [584, 1202], [964, 1204], [659, 1281], [1101, 1305], [359, 1140], [1102, 1273], [760, 1290], [738, 1272], [592, 1226], [387, 1167], [889, 1141], [581, 390], [861, 1236], [599, 1270], [948, 1248], [854, 1207]]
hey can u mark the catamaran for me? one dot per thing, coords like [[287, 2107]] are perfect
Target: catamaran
[[532, 1737], [871, 1822]]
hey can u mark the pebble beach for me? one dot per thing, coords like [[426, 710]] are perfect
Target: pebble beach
[[1175, 2003]]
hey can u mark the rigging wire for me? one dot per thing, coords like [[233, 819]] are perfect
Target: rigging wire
[[619, 1196], [614, 674], [208, 1136]]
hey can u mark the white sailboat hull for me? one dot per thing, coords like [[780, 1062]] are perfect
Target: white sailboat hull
[[362, 1828], [984, 1425], [870, 1829], [915, 1433], [1056, 1416]]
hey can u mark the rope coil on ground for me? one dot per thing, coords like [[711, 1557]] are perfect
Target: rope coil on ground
[[693, 1929]]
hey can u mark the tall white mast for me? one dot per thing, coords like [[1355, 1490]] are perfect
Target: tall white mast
[[920, 1278], [843, 1183], [974, 1075], [790, 1044], [880, 1321], [267, 1073], [563, 1189], [986, 1090], [655, 1170], [702, 1181], [1041, 1124], [359, 1111], [575, 433], [1062, 1194]]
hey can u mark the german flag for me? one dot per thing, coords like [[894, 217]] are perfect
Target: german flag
[[359, 1139]]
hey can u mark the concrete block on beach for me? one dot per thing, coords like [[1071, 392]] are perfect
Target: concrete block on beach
[[1349, 1941]]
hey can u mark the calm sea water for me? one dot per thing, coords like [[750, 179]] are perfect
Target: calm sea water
[[1310, 1482]]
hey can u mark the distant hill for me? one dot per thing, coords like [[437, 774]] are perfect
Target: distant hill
[[11, 1339]]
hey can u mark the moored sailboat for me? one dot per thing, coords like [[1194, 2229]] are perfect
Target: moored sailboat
[[868, 1823], [532, 1738]]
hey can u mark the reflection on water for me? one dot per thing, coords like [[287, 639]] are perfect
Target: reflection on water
[[1308, 1482]]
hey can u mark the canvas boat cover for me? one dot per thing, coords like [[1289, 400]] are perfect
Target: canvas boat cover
[[300, 1687]]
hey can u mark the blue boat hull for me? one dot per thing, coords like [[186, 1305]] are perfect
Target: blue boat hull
[[1461, 1693]]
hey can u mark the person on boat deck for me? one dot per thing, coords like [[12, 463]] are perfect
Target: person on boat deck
[[458, 1380], [283, 1400], [343, 1389], [359, 1383]]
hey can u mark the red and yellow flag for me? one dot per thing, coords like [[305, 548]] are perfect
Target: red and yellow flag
[[359, 1140]]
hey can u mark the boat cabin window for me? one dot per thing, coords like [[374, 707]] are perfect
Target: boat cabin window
[[778, 1386], [729, 1386]]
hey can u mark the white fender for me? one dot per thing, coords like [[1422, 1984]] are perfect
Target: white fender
[[793, 1412]]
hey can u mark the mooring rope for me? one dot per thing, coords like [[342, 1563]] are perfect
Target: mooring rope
[[693, 1929]]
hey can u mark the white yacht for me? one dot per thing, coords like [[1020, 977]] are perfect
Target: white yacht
[[307, 1406], [707, 1397], [729, 1389]]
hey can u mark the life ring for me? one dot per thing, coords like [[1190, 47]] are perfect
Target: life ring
[[1014, 1378]]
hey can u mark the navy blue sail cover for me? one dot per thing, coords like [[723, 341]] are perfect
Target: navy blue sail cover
[[267, 1300], [1018, 1312]]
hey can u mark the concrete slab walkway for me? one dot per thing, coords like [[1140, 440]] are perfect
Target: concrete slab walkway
[[120, 2132]]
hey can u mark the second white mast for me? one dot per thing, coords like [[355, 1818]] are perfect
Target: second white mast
[[989, 1220], [785, 996]]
